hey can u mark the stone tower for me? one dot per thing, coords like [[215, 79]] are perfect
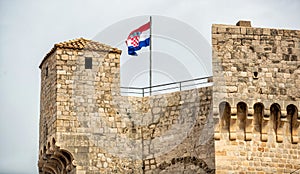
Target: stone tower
[[70, 74], [256, 98], [86, 126]]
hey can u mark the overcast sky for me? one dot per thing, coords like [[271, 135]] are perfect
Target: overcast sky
[[28, 30]]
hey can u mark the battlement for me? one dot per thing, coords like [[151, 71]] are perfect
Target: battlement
[[256, 72], [256, 98], [268, 122]]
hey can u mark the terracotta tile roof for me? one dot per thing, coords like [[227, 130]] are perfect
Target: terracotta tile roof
[[81, 44]]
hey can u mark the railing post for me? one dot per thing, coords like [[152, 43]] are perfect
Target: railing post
[[143, 90], [179, 86]]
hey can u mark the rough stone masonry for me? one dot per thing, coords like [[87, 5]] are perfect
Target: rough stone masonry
[[248, 122], [86, 126], [256, 98]]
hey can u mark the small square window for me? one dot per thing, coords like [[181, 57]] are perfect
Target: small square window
[[255, 75], [88, 63]]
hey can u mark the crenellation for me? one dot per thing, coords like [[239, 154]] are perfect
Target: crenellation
[[263, 68]]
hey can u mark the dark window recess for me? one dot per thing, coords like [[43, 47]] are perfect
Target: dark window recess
[[255, 74], [46, 71], [88, 63]]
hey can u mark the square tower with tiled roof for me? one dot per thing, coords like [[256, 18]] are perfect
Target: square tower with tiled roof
[[70, 72]]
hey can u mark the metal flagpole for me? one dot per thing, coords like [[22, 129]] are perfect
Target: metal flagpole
[[150, 57]]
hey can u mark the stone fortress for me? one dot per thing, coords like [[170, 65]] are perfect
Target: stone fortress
[[246, 122]]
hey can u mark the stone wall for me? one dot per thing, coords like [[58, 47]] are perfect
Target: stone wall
[[48, 101], [256, 99], [99, 131]]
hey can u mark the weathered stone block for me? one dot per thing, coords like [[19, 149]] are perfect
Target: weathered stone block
[[243, 23]]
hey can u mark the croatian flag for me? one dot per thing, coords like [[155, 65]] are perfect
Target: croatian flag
[[138, 38]]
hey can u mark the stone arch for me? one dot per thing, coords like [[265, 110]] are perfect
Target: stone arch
[[242, 111], [62, 159], [54, 160], [56, 165], [57, 162], [293, 117], [184, 161], [224, 112], [275, 113], [258, 116], [48, 170]]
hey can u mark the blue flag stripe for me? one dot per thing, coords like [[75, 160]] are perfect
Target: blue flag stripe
[[132, 50]]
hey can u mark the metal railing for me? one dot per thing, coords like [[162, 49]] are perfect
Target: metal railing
[[168, 87], [295, 171]]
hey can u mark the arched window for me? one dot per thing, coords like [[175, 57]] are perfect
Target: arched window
[[225, 112], [275, 115], [292, 114], [242, 110], [258, 115]]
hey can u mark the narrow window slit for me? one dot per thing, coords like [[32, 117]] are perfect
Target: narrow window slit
[[88, 63]]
